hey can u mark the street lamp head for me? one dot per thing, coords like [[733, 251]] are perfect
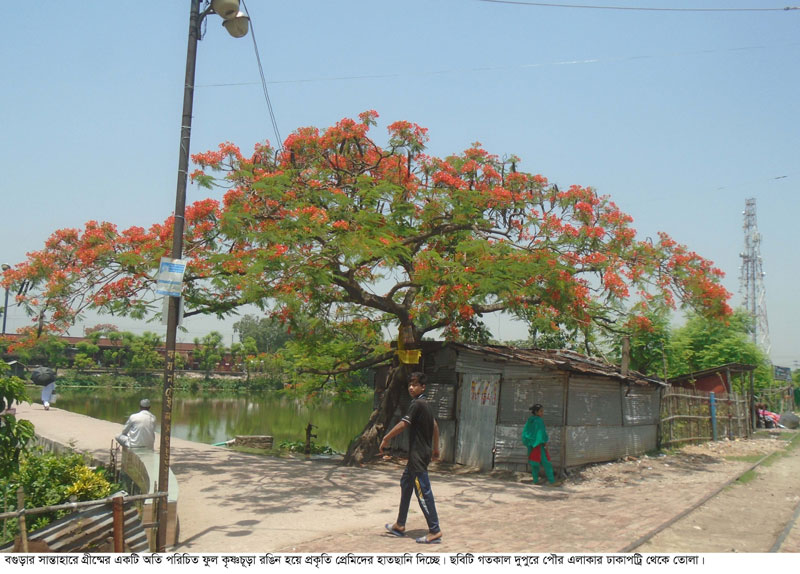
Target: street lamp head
[[5, 267], [225, 8], [238, 26]]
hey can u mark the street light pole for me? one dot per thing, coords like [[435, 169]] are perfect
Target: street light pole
[[5, 268], [236, 24], [177, 251]]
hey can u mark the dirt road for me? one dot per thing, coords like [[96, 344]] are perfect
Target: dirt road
[[747, 517], [233, 502]]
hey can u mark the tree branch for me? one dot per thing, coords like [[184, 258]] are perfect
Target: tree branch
[[352, 367]]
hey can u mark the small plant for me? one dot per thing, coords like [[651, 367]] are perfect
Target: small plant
[[300, 446]]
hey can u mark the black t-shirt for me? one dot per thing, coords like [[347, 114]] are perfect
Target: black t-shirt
[[420, 439]]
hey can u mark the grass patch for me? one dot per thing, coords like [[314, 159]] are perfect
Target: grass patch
[[776, 456], [748, 476], [745, 458]]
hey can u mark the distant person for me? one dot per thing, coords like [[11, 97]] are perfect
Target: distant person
[[140, 430], [534, 436], [46, 378], [423, 446]]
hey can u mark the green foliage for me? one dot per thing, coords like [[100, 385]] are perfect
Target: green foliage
[[208, 352], [14, 434], [77, 379], [144, 353], [46, 350], [48, 479], [267, 334], [324, 357], [650, 337], [703, 344], [471, 330], [87, 348], [82, 363]]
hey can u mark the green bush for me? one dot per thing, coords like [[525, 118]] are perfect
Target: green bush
[[14, 434], [47, 480]]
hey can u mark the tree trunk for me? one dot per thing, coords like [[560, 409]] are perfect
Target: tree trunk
[[364, 448]]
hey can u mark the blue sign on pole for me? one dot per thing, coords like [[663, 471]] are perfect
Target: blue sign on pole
[[712, 399], [170, 277]]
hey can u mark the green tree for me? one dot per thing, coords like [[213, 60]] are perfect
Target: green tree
[[86, 357], [46, 350], [144, 352], [268, 333], [240, 352], [702, 344], [82, 363], [208, 352], [15, 435]]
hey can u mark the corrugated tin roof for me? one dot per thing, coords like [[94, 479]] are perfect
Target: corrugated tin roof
[[561, 359]]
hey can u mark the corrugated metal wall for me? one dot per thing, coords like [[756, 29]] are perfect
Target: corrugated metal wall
[[594, 401], [440, 369], [588, 444], [477, 418], [640, 405], [607, 420], [517, 395]]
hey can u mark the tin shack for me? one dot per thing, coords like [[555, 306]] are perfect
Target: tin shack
[[482, 396], [722, 379]]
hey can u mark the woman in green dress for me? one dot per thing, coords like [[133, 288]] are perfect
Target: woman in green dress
[[534, 436]]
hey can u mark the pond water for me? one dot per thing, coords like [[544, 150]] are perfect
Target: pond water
[[213, 417]]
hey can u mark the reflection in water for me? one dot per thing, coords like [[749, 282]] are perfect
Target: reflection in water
[[216, 417]]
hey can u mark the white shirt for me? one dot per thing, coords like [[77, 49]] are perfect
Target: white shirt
[[140, 430]]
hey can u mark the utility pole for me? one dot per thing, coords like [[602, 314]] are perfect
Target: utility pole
[[237, 24]]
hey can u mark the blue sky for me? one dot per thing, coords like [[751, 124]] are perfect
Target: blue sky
[[678, 116]]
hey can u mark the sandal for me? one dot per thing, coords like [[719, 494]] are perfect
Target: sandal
[[394, 531]]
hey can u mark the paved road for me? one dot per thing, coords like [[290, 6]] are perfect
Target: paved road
[[233, 502]]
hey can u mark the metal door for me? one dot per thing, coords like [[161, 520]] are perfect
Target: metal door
[[477, 416]]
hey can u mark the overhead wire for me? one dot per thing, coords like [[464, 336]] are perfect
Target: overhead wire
[[639, 8], [493, 68], [279, 140]]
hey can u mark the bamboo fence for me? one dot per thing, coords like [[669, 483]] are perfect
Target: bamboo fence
[[686, 416], [778, 399]]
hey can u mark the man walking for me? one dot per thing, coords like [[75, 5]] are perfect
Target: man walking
[[423, 446], [140, 430]]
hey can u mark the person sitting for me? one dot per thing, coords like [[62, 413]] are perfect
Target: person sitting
[[140, 430]]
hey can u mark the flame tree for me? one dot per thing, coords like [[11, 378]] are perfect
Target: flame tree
[[345, 237]]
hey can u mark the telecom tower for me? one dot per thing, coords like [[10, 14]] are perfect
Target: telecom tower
[[752, 277]]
